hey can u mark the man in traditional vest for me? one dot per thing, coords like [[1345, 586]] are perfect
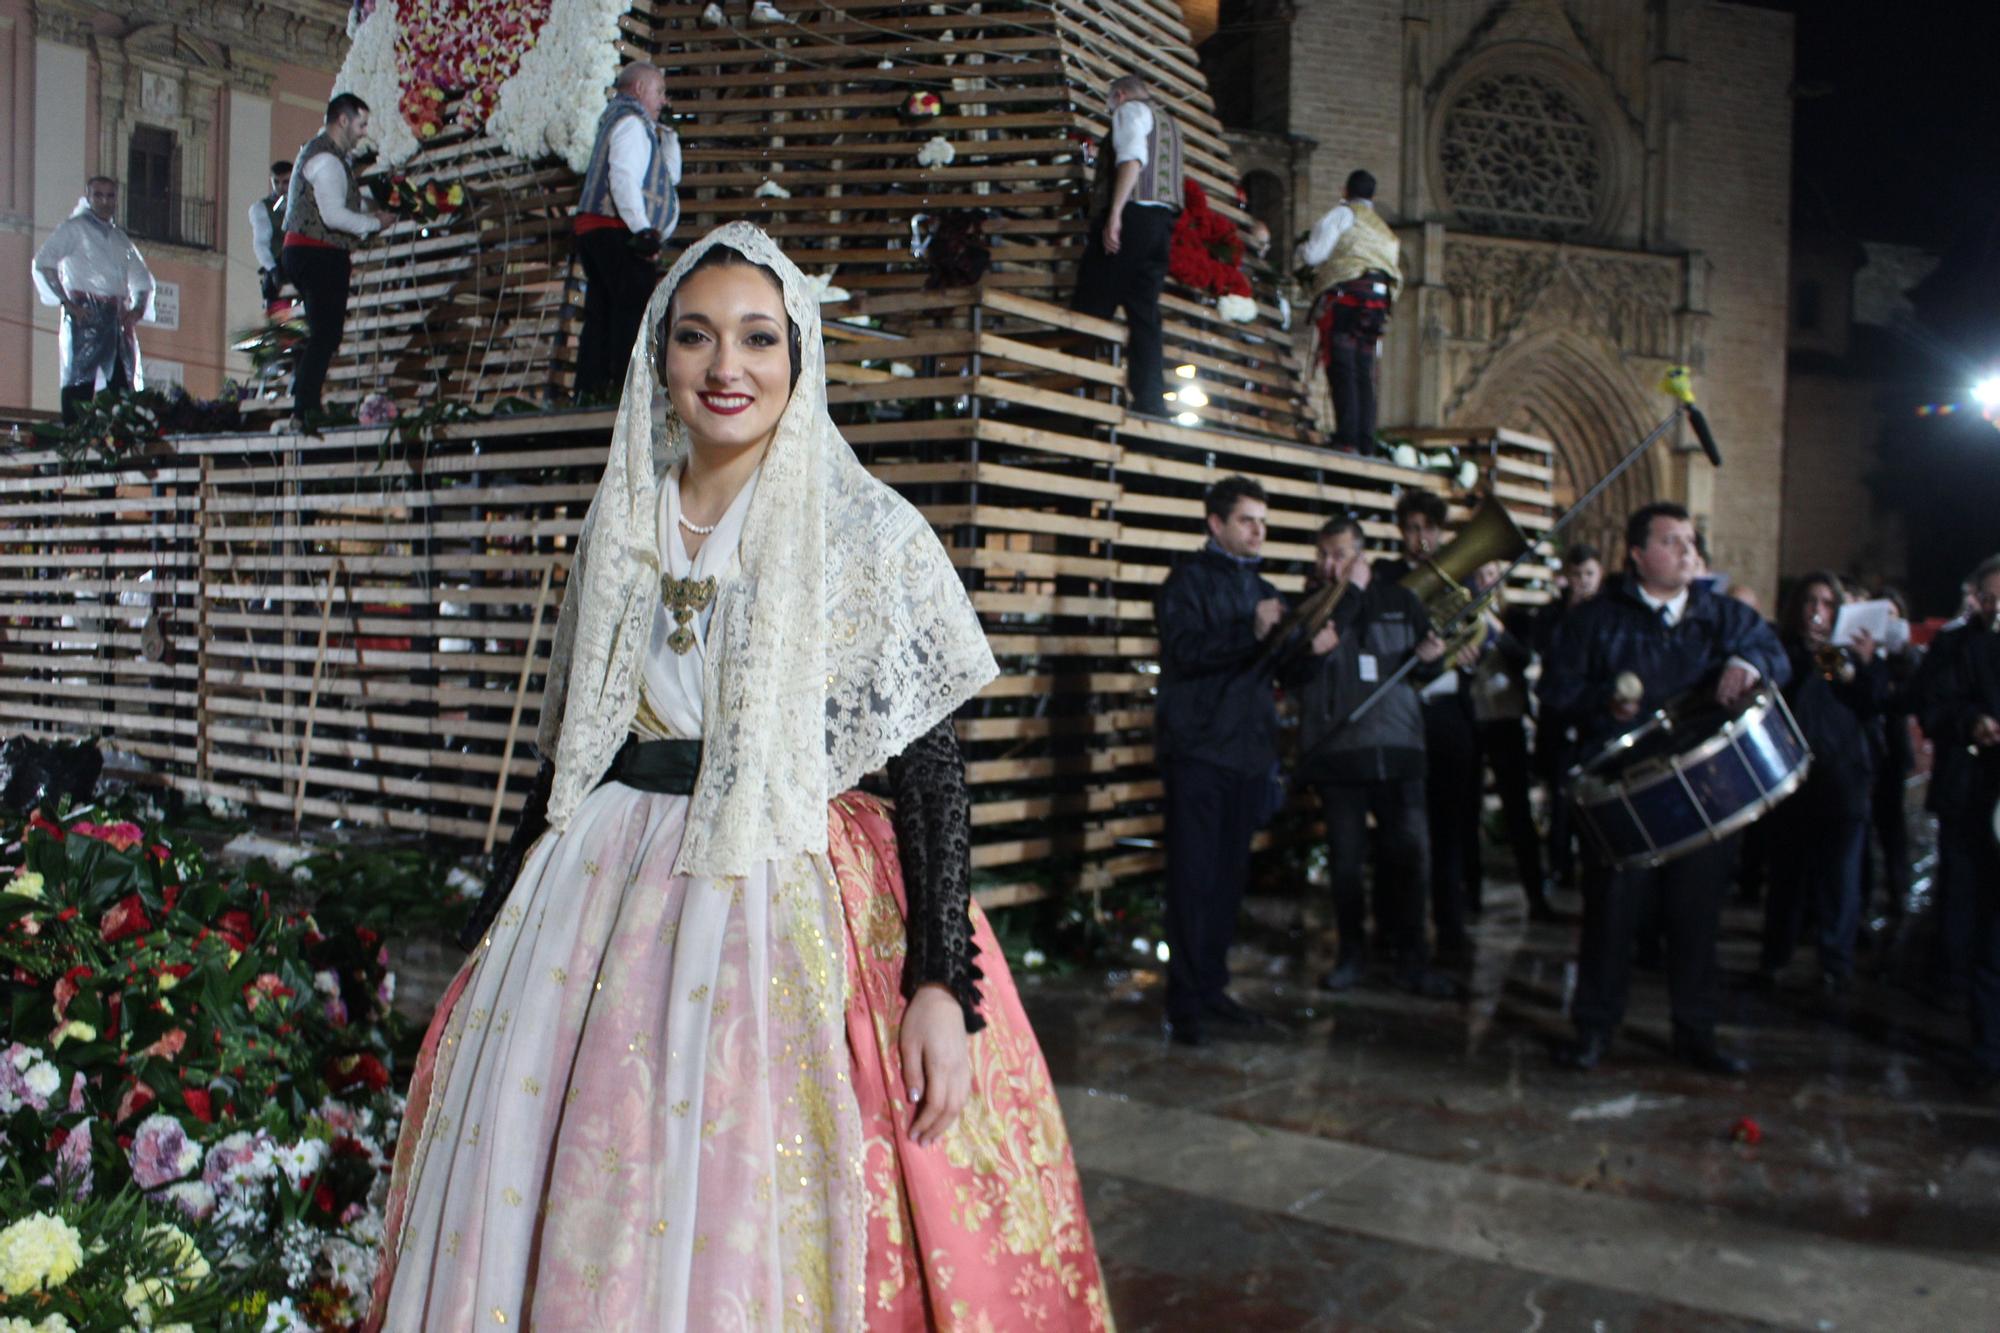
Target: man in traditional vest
[[1137, 196], [323, 220], [627, 211], [1353, 255], [267, 233]]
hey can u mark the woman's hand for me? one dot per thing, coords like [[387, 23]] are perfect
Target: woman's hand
[[937, 1062]]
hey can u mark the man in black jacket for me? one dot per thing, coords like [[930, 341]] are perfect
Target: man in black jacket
[[1373, 765], [1453, 789], [1966, 715], [1949, 796], [1217, 744], [1673, 638]]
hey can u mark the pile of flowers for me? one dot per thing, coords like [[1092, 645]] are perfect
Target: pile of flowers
[[1206, 252], [119, 424], [433, 201], [195, 1107]]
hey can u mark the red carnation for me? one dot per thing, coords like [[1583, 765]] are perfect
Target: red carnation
[[136, 1099], [125, 918], [323, 1198], [234, 926], [199, 1104], [38, 820], [346, 1071]]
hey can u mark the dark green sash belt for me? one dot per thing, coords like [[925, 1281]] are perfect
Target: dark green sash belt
[[666, 768]]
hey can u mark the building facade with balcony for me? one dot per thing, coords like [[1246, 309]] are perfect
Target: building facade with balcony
[[186, 106]]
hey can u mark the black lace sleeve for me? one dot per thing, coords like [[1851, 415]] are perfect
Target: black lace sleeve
[[507, 866], [934, 840]]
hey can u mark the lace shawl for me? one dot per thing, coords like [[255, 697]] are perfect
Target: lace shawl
[[848, 637]]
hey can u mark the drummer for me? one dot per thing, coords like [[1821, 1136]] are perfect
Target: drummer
[[1650, 638]]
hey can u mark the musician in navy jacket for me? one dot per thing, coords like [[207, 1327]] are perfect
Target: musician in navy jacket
[[1655, 626], [1965, 715]]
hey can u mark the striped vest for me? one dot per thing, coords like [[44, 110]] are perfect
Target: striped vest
[[663, 206], [1368, 244], [302, 205], [1160, 179]]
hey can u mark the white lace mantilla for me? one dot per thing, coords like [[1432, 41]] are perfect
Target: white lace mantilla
[[848, 636]]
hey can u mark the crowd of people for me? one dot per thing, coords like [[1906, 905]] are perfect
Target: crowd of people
[[1402, 785]]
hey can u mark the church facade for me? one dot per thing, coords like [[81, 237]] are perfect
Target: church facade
[[1587, 192]]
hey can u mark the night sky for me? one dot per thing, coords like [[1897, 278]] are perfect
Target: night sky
[[1897, 129]]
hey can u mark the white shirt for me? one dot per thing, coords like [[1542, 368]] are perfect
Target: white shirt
[[94, 258], [1131, 127], [327, 175], [263, 239], [1676, 607], [1326, 233], [631, 150]]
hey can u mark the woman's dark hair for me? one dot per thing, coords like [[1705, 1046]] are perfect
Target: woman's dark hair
[[1792, 614], [720, 256], [1581, 553]]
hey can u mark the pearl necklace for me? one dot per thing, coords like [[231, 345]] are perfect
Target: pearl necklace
[[696, 528]]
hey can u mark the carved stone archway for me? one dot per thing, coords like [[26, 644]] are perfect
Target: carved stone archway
[[1572, 388]]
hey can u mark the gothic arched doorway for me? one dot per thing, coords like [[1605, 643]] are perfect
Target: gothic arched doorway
[[1572, 389]]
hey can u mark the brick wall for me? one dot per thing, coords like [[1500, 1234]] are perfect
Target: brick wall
[[1347, 94], [1735, 203]]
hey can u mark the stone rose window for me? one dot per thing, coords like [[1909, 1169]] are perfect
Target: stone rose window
[[1518, 156]]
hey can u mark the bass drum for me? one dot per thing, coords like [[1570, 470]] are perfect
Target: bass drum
[[1690, 776]]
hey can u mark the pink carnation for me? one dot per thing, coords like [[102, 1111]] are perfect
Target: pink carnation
[[122, 837], [161, 1152], [73, 1161]]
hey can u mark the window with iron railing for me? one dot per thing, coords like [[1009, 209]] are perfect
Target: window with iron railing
[[155, 209]]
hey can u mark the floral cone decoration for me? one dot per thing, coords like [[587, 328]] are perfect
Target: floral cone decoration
[[196, 1114], [1206, 253], [531, 73]]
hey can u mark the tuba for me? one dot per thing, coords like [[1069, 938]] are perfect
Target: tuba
[[1440, 582]]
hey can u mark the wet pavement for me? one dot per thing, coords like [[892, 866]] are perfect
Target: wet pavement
[[1378, 1161]]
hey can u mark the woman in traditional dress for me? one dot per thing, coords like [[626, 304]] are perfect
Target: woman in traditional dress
[[709, 1067]]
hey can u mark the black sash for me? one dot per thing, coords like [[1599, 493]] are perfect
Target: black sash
[[665, 768]]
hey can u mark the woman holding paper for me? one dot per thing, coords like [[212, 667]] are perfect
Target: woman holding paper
[[1821, 833]]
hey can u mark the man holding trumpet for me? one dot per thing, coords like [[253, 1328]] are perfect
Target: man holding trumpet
[[1647, 640], [1374, 764]]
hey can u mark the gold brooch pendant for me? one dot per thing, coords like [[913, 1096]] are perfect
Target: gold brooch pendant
[[686, 598]]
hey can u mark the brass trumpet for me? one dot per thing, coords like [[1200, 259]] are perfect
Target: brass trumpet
[[1440, 582]]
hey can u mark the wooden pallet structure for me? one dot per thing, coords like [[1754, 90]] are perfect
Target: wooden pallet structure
[[360, 622]]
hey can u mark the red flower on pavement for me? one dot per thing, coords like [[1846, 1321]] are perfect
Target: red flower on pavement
[[1747, 1131], [124, 918]]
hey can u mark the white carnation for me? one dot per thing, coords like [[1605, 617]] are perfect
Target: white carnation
[[937, 152], [1236, 309], [42, 1080], [369, 72]]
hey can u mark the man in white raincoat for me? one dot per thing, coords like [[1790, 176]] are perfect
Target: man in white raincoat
[[90, 268]]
